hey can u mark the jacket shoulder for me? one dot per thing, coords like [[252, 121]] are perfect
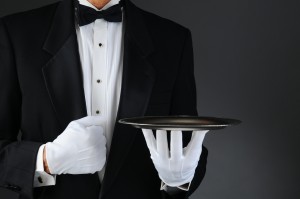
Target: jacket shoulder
[[29, 17], [162, 24]]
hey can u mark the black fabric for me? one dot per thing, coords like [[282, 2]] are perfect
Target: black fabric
[[87, 15], [41, 91]]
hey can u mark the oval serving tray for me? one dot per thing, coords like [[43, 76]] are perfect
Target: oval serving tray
[[179, 122]]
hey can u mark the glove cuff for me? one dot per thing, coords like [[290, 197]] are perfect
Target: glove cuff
[[184, 187]]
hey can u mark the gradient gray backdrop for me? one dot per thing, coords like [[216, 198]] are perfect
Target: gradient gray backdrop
[[247, 59]]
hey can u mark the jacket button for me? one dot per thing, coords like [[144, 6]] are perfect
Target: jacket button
[[12, 187]]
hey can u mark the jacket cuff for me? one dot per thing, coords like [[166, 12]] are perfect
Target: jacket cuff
[[19, 168]]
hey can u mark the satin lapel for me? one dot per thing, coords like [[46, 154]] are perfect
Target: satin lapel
[[137, 82], [62, 74]]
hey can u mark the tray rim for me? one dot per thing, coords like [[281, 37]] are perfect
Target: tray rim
[[230, 122]]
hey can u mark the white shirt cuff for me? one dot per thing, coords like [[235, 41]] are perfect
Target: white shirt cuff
[[42, 178], [184, 187]]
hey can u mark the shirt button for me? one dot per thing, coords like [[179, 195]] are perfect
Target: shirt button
[[100, 44], [99, 81], [97, 112], [40, 179]]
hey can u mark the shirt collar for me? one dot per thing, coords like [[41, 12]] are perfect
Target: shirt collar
[[109, 4]]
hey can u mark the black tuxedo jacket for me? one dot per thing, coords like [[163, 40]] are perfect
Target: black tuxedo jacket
[[41, 91]]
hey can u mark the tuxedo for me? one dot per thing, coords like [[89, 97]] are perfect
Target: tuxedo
[[41, 92]]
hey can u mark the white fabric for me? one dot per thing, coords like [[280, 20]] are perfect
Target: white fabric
[[103, 63], [40, 172], [80, 149], [175, 166]]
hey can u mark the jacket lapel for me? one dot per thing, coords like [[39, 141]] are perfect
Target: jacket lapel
[[62, 74], [63, 79]]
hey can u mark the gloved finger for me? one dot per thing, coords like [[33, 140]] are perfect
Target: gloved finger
[[194, 148], [90, 121], [162, 143], [95, 129], [176, 145], [94, 134], [150, 139]]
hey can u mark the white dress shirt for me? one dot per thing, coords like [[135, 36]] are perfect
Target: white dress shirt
[[101, 53]]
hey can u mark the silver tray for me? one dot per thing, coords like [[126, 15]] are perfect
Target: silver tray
[[179, 122]]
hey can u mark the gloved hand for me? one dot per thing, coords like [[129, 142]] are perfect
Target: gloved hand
[[80, 149], [177, 166]]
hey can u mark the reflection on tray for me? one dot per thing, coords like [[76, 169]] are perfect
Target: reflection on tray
[[182, 122]]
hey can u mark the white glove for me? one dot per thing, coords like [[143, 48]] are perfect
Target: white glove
[[177, 166], [80, 149]]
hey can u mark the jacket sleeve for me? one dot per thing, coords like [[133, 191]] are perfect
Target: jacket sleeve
[[17, 157], [184, 102]]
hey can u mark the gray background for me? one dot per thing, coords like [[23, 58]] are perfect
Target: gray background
[[246, 67]]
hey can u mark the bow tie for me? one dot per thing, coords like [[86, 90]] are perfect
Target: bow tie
[[87, 15]]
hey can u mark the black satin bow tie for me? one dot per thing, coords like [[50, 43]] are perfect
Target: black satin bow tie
[[87, 15]]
